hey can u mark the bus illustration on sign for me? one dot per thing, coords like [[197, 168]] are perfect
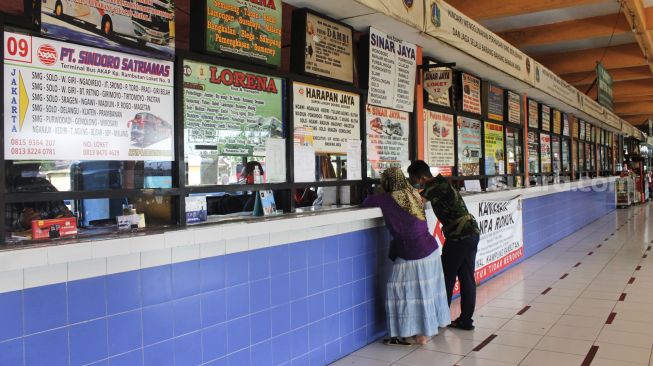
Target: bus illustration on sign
[[115, 21]]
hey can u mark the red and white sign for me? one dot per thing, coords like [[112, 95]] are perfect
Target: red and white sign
[[437, 82], [501, 241]]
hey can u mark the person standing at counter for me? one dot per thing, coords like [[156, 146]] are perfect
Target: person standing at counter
[[462, 235], [416, 298]]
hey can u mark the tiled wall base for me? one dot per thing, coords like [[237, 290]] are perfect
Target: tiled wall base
[[306, 303]]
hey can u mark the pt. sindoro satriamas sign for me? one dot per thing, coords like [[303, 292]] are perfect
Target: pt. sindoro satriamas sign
[[69, 102], [229, 112], [242, 29]]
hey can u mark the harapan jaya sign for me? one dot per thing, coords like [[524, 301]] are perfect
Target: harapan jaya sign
[[333, 116], [69, 102]]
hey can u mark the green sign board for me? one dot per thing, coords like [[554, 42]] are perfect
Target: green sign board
[[604, 84], [245, 29], [230, 112]]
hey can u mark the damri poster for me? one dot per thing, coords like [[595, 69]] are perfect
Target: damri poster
[[387, 139], [333, 116], [69, 102]]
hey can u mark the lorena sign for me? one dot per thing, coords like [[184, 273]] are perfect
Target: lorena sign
[[437, 81]]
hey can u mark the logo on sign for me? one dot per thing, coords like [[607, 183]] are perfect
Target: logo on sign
[[435, 15], [437, 82], [408, 3], [47, 54]]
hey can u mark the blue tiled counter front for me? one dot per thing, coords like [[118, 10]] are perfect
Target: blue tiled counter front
[[301, 291]]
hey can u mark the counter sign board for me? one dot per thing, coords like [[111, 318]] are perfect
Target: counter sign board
[[604, 82], [393, 64], [69, 102], [514, 108], [471, 94], [387, 138], [332, 115], [322, 47], [245, 29], [229, 112]]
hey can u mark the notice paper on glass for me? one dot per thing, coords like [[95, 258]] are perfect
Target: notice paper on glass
[[354, 160], [304, 163], [275, 160]]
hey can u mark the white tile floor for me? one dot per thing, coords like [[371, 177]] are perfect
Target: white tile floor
[[584, 319]]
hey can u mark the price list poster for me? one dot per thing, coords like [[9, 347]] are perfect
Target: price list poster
[[70, 102]]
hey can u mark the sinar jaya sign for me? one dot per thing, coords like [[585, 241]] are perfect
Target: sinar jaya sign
[[332, 115], [387, 138], [393, 64], [69, 102]]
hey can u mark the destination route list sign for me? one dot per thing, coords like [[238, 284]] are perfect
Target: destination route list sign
[[69, 102]]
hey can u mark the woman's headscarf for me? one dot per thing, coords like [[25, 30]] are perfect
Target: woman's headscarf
[[395, 183]]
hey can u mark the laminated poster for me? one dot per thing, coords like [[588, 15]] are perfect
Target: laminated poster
[[514, 108], [387, 138], [533, 153], [557, 122], [329, 50], [333, 116], [69, 102], [354, 171], [581, 133], [471, 94], [275, 160], [495, 103], [437, 84], [533, 114], [494, 146], [245, 29], [145, 27], [229, 112], [545, 148], [565, 124], [439, 135], [469, 146], [393, 64], [546, 118]]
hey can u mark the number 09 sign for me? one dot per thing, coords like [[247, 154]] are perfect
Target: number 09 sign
[[69, 102]]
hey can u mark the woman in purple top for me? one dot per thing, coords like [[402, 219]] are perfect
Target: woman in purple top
[[416, 302]]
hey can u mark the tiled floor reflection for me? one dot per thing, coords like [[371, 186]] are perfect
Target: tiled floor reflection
[[586, 300]]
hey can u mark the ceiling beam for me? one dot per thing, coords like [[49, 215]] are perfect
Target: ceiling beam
[[633, 98], [638, 120], [633, 108], [483, 10], [626, 74], [648, 15], [632, 88], [616, 57], [637, 19], [601, 26]]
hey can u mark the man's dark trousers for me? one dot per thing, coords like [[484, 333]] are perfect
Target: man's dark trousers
[[458, 258]]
